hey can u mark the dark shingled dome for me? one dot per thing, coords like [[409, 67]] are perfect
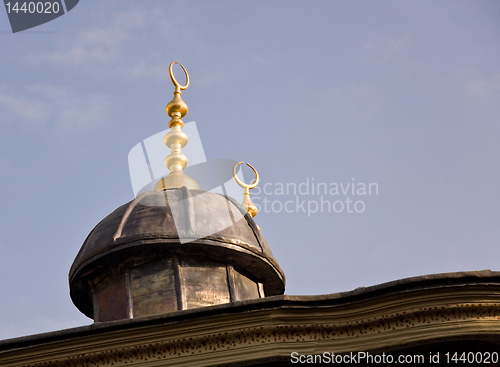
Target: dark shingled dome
[[180, 223]]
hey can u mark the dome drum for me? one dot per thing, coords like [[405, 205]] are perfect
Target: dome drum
[[169, 284]]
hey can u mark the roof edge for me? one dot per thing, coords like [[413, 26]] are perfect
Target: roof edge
[[413, 284]]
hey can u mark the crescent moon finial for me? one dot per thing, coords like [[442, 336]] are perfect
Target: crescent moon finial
[[176, 139], [241, 183], [247, 203], [178, 87]]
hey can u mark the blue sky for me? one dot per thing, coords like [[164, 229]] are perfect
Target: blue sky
[[402, 94]]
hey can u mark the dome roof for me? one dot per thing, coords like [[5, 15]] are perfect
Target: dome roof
[[175, 221]]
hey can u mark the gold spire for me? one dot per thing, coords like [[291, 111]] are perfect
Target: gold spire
[[176, 140], [247, 203]]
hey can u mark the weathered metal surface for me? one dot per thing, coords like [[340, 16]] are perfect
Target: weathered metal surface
[[110, 299], [149, 286], [152, 288], [244, 288], [203, 282]]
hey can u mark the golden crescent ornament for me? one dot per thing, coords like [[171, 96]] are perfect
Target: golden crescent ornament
[[241, 183], [247, 203], [172, 77]]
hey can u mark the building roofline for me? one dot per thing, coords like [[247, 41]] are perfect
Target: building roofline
[[402, 286]]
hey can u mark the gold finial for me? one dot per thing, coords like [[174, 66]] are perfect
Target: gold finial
[[247, 203], [176, 139], [178, 87]]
